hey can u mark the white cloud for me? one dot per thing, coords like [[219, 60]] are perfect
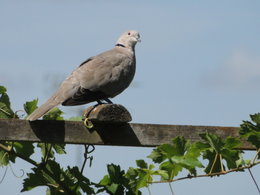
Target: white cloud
[[240, 70]]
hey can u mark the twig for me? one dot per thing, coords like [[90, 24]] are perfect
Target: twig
[[210, 174], [2, 179], [6, 148], [47, 152], [254, 180], [14, 172], [221, 163], [214, 162], [256, 155], [5, 112]]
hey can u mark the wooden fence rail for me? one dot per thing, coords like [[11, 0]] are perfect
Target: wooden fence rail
[[118, 134]]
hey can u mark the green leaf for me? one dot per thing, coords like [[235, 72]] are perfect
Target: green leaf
[[105, 181], [33, 180], [141, 164], [251, 131], [45, 148], [113, 188], [255, 118], [5, 99], [232, 142], [54, 114], [4, 158], [171, 169], [2, 89], [24, 148], [213, 140], [82, 181], [214, 162], [164, 174], [5, 112], [30, 106], [187, 162], [157, 156], [116, 182], [51, 149], [59, 148]]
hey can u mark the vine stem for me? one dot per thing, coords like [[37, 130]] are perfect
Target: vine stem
[[47, 152], [2, 179], [221, 163], [258, 151], [34, 163], [214, 162], [5, 112], [210, 174], [252, 176]]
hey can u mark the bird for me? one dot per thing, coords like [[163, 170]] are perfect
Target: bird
[[98, 78]]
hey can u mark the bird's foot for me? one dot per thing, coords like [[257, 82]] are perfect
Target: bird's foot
[[108, 101]]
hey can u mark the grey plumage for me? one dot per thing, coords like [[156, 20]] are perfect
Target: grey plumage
[[98, 78]]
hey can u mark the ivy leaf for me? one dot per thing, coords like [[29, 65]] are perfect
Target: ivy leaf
[[24, 148], [30, 106], [54, 114]]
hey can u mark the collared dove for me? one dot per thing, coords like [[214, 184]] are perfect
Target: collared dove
[[98, 78]]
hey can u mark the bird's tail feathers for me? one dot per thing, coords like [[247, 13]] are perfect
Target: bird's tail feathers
[[43, 109]]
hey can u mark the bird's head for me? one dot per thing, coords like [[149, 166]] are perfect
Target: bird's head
[[129, 39]]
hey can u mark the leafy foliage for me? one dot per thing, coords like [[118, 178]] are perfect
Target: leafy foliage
[[30, 106], [115, 182], [5, 105], [251, 130], [216, 150], [168, 160]]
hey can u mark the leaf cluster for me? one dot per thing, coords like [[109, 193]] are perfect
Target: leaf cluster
[[251, 130]]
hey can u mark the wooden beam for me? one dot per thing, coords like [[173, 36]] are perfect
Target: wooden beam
[[118, 134]]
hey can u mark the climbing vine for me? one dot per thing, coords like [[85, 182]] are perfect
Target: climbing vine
[[220, 157]]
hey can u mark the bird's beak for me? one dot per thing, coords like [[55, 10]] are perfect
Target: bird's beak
[[138, 39]]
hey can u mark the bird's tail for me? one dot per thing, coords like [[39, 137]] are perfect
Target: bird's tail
[[43, 109]]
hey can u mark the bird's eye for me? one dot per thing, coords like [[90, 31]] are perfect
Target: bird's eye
[[129, 33]]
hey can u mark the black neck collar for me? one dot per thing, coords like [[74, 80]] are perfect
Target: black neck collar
[[119, 45]]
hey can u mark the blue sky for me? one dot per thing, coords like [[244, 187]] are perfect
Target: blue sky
[[198, 64]]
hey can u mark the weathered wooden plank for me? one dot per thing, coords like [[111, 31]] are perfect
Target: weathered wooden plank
[[122, 134]]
